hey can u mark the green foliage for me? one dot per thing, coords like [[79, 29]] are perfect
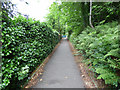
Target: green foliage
[[100, 47], [54, 17], [68, 17], [25, 44], [104, 12], [75, 15]]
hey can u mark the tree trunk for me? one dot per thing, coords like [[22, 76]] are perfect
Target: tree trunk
[[90, 14]]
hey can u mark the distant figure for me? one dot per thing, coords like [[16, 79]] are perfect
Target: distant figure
[[64, 36]]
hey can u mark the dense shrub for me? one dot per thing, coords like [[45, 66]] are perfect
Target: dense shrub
[[25, 44], [100, 47]]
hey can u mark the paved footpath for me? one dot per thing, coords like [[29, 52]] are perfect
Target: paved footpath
[[61, 71]]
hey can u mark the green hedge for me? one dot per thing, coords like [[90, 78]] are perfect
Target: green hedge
[[25, 44], [100, 46]]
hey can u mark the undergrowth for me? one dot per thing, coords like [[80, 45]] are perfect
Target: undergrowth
[[100, 47]]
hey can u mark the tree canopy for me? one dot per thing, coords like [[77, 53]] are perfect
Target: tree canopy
[[73, 17]]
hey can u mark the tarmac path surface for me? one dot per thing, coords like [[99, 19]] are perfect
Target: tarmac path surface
[[61, 71]]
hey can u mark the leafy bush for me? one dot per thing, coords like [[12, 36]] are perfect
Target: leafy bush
[[25, 44], [101, 49]]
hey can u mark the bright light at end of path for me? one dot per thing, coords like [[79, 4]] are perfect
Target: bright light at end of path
[[37, 9]]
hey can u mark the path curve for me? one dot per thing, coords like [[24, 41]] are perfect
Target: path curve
[[61, 71]]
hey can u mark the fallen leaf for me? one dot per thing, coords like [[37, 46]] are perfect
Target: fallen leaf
[[83, 76], [65, 77], [41, 79]]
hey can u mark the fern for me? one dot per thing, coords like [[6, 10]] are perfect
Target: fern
[[114, 52], [109, 76], [101, 51]]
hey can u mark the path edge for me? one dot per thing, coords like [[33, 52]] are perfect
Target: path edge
[[89, 83], [75, 58], [40, 69]]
